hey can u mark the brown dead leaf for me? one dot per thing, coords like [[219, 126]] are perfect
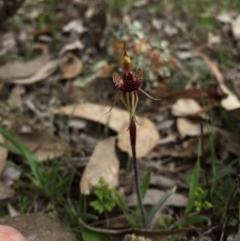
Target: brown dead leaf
[[103, 163], [115, 119], [231, 101], [5, 191], [193, 94], [72, 67], [17, 70], [154, 195], [147, 138], [187, 127], [43, 145], [3, 155]]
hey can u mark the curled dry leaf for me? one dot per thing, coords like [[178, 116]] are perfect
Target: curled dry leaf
[[43, 72], [103, 163], [18, 70], [72, 67], [43, 145], [231, 101], [3, 155], [147, 138]]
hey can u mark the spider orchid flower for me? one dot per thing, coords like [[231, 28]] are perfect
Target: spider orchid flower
[[128, 85]]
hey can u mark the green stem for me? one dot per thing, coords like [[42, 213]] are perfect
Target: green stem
[[133, 135]]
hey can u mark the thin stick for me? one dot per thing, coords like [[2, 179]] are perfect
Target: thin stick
[[133, 134]]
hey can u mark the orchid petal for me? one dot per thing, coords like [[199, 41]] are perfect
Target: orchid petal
[[146, 94]]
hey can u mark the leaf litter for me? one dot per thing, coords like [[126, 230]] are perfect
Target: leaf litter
[[72, 46]]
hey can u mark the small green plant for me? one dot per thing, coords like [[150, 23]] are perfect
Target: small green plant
[[195, 197], [199, 203], [104, 201], [46, 177]]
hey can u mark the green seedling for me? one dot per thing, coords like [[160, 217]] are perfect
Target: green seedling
[[47, 178], [104, 201], [195, 197]]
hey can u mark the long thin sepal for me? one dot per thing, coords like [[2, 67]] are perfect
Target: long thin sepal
[[114, 102], [146, 94]]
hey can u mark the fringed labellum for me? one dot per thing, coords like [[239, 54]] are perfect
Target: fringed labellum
[[128, 85]]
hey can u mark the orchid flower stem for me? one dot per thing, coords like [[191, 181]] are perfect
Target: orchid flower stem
[[133, 135]]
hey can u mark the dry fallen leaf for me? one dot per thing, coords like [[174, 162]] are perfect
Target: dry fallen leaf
[[72, 67], [231, 102], [189, 128], [187, 107], [103, 163], [5, 191], [115, 119], [147, 138], [18, 70], [43, 72], [224, 18], [15, 98], [192, 94], [236, 28], [3, 155], [43, 145]]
